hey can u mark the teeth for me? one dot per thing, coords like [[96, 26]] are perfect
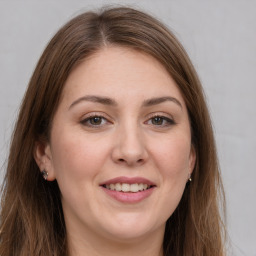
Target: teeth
[[118, 187], [134, 187], [141, 186], [125, 187]]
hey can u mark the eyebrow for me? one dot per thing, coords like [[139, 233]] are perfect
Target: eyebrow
[[98, 99], [110, 102], [159, 100]]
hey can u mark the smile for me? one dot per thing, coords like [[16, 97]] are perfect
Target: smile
[[125, 187], [129, 190]]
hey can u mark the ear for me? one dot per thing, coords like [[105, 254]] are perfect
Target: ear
[[192, 159], [43, 158]]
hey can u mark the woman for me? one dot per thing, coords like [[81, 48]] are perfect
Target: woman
[[113, 151]]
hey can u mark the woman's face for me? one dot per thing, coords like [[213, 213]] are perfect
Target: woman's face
[[120, 146]]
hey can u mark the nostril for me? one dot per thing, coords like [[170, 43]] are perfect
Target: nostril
[[130, 160]]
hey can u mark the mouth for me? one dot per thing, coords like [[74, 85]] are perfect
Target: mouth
[[128, 188]]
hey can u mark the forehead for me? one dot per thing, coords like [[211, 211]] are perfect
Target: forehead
[[120, 72]]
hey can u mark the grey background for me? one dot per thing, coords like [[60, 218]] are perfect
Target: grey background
[[220, 37]]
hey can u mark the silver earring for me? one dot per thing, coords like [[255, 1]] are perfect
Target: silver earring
[[190, 179], [44, 174]]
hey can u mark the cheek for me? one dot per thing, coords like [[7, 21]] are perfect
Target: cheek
[[172, 157], [76, 157]]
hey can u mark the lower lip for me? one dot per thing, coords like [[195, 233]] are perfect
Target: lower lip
[[129, 197]]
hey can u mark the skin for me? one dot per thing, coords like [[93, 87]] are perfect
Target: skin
[[125, 141]]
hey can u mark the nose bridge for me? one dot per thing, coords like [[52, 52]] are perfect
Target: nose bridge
[[130, 145]]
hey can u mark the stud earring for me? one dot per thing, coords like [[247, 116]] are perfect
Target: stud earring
[[44, 174], [190, 179]]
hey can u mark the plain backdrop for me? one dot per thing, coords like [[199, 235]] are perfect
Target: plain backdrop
[[219, 36]]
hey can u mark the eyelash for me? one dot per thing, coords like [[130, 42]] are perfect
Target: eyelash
[[164, 121], [88, 121]]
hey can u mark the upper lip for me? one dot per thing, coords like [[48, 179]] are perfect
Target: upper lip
[[128, 180]]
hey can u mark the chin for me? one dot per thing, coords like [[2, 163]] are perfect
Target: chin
[[129, 228]]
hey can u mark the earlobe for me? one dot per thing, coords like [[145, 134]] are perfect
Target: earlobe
[[192, 161], [43, 158]]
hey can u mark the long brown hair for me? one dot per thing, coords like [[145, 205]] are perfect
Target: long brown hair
[[32, 221]]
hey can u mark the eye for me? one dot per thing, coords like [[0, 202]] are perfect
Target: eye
[[157, 120], [94, 121], [161, 121]]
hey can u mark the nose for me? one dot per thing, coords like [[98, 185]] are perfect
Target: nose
[[130, 148]]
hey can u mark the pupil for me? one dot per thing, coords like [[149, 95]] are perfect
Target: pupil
[[96, 120], [157, 120]]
